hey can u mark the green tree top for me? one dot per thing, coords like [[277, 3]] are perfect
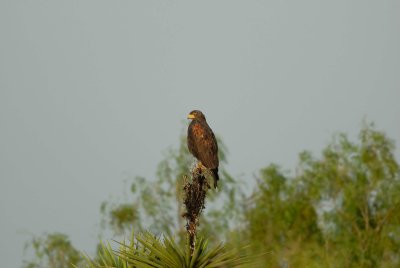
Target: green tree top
[[340, 209]]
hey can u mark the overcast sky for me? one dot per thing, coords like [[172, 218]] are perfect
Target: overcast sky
[[92, 92]]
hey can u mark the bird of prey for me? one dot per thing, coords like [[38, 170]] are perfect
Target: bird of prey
[[202, 143]]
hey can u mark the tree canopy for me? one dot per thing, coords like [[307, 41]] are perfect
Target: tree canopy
[[341, 209], [337, 209]]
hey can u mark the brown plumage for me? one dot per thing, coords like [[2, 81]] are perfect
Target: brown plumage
[[202, 143]]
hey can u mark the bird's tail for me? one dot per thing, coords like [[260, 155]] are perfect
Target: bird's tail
[[216, 177]]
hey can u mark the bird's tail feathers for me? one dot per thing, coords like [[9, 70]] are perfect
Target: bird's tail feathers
[[216, 177]]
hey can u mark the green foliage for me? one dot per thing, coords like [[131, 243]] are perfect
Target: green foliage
[[53, 251], [340, 210], [157, 203], [148, 250], [123, 216], [281, 219]]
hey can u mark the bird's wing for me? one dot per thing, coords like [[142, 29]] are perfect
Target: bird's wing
[[204, 145], [191, 140]]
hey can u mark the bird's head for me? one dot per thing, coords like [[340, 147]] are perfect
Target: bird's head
[[196, 114]]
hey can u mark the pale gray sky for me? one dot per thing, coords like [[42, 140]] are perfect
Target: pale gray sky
[[93, 91]]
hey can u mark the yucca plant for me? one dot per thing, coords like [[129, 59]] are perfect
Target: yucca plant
[[147, 250]]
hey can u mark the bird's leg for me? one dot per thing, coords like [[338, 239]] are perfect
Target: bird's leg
[[199, 167]]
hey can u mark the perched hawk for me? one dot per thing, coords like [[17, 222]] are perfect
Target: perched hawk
[[202, 143]]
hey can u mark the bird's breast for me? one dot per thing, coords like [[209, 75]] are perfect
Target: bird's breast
[[198, 131]]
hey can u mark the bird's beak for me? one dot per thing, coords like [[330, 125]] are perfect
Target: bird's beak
[[190, 116]]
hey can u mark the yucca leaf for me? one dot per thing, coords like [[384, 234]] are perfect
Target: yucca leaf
[[141, 261], [148, 251], [212, 253], [174, 249], [155, 246]]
